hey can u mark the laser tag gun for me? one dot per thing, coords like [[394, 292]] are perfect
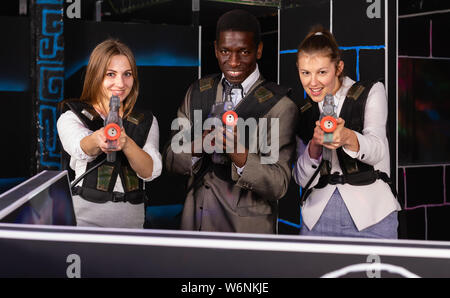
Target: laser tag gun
[[113, 123], [328, 122], [224, 112]]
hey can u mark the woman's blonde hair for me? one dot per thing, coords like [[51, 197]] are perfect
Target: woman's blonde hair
[[320, 40], [96, 70]]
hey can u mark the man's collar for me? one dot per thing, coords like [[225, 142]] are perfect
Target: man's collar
[[250, 80]]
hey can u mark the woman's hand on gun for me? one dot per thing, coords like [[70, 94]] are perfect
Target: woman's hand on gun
[[102, 143]]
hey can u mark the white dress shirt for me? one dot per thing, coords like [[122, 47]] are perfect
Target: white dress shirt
[[367, 204]]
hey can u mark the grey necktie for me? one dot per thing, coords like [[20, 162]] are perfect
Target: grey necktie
[[228, 87]]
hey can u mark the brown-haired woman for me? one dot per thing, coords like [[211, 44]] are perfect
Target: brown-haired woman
[[113, 194], [351, 196]]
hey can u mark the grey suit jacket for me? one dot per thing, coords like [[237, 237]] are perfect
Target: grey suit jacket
[[249, 203]]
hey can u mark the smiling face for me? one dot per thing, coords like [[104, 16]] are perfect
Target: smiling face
[[118, 78], [237, 54], [319, 75]]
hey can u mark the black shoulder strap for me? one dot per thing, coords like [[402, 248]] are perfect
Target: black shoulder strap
[[88, 116], [86, 113], [309, 114], [261, 100], [352, 112], [203, 95], [258, 102], [307, 189], [355, 104], [138, 124]]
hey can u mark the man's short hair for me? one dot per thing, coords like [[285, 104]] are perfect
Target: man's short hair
[[239, 20]]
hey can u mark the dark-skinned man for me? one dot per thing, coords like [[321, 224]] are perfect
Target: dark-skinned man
[[237, 189]]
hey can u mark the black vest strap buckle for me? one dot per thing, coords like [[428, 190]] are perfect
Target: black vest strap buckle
[[357, 179], [100, 197], [336, 178], [118, 197]]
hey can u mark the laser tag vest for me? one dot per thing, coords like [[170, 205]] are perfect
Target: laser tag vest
[[98, 185], [255, 105], [355, 172]]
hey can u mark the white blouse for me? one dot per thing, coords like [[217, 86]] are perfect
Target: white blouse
[[367, 204]]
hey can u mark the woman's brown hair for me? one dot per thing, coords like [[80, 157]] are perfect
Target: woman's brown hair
[[96, 71], [320, 40]]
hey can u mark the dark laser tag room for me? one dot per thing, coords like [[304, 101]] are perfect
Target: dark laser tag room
[[344, 107]]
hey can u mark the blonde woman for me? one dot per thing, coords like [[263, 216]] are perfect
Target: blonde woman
[[113, 194], [351, 196]]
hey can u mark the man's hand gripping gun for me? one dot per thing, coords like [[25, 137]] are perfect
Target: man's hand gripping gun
[[224, 112]]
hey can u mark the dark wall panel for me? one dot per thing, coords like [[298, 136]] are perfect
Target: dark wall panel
[[419, 193], [424, 111], [351, 14], [412, 224], [15, 156], [372, 65], [437, 223], [296, 22], [15, 96], [15, 54], [350, 66], [289, 77], [414, 36], [423, 127], [447, 183], [440, 25]]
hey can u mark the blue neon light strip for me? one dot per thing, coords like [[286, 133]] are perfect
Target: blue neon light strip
[[298, 226], [8, 183], [163, 211], [343, 48], [4, 181], [49, 62], [288, 52], [13, 86], [50, 136], [290, 223], [356, 48], [70, 71], [363, 48], [286, 222], [163, 60], [49, 1]]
